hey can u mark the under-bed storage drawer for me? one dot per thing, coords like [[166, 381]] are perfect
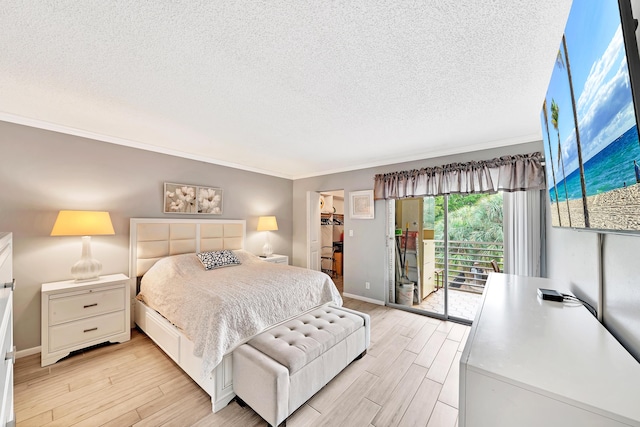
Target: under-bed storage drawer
[[164, 335]]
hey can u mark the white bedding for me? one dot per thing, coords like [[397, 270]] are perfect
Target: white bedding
[[219, 309]]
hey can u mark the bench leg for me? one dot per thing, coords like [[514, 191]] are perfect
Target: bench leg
[[240, 402], [243, 404], [361, 355]]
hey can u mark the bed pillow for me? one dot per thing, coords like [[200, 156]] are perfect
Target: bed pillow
[[218, 259]]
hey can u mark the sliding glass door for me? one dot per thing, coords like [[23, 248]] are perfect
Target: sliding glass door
[[444, 249], [474, 247]]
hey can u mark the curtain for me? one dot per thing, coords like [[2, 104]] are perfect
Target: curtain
[[524, 232], [520, 177], [508, 173]]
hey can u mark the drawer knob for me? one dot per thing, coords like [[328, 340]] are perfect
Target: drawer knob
[[11, 355], [91, 330], [11, 284], [95, 304]]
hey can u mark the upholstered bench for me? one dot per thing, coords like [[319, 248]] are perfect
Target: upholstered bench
[[280, 369]]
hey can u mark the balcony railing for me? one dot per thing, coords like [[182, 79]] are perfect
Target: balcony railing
[[469, 263]]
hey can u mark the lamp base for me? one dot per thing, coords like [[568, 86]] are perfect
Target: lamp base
[[267, 249], [87, 268]]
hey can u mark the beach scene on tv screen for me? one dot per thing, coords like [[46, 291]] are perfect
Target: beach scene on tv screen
[[603, 190]]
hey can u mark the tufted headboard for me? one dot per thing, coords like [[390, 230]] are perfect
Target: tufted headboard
[[154, 238]]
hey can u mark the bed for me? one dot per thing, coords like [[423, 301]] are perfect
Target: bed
[[248, 298]]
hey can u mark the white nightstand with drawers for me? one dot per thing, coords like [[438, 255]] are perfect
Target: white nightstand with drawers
[[277, 259], [76, 315]]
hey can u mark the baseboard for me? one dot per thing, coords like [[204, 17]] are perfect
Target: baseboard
[[28, 352], [361, 298]]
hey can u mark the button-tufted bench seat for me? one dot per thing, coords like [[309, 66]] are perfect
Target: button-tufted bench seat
[[278, 370]]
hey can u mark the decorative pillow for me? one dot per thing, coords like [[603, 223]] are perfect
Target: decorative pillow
[[218, 259]]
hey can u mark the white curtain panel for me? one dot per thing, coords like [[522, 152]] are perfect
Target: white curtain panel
[[522, 232]]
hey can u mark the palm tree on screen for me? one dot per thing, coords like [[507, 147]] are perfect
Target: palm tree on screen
[[553, 171], [583, 185], [555, 114]]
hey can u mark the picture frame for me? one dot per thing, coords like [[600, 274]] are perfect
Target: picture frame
[[361, 204], [179, 198], [209, 200], [192, 199]]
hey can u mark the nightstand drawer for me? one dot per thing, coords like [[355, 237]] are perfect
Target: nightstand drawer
[[276, 259], [86, 330], [64, 308]]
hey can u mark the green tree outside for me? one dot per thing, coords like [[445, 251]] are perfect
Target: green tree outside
[[472, 218]]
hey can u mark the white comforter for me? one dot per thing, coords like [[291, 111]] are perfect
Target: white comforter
[[219, 309]]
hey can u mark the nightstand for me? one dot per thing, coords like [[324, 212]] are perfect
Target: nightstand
[[277, 259], [76, 315]]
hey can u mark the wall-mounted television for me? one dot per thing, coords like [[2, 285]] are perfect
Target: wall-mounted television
[[590, 121]]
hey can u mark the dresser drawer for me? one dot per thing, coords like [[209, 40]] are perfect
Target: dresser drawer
[[86, 330], [68, 307], [6, 411], [6, 257], [6, 323]]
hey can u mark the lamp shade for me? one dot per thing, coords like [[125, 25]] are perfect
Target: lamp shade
[[82, 223], [267, 223]]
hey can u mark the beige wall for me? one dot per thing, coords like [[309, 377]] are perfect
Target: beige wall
[[42, 172]]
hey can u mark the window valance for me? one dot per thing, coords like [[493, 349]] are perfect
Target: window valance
[[507, 173]]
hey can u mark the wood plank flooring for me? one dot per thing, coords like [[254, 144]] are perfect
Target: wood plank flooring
[[409, 377]]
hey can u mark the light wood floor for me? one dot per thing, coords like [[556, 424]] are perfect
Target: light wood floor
[[408, 377]]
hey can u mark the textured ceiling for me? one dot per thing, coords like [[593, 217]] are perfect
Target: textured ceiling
[[290, 88]]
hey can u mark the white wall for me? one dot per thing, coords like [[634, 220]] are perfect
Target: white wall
[[365, 253], [572, 257], [42, 172]]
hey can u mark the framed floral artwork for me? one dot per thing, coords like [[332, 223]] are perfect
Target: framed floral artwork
[[179, 198], [209, 200], [192, 199], [361, 204]]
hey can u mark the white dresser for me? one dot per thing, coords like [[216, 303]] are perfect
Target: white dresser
[[76, 315], [531, 363], [7, 350]]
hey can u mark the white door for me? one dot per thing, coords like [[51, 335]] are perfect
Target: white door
[[314, 241]]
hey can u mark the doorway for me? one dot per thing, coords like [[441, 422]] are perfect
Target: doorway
[[325, 240], [444, 248]]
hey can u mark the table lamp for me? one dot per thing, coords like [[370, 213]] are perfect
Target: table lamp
[[85, 224], [267, 223]]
